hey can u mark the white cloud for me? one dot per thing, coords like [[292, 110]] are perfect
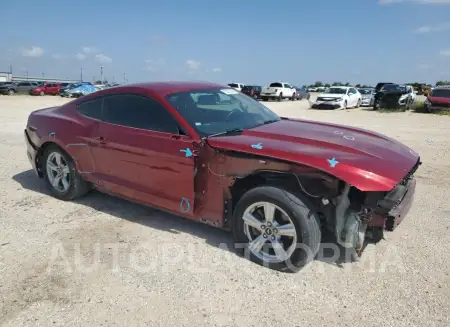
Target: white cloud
[[103, 58], [88, 50], [153, 65], [445, 52], [433, 28], [33, 51], [193, 64], [80, 56], [216, 70]]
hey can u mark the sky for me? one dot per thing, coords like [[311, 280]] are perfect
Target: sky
[[251, 42]]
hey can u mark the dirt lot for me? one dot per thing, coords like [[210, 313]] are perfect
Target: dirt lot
[[106, 262]]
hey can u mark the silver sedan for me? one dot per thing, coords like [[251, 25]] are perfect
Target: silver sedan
[[367, 96]]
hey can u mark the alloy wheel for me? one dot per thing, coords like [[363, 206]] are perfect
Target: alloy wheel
[[58, 172], [270, 231]]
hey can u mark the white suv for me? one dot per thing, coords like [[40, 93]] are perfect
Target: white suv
[[279, 91], [236, 86]]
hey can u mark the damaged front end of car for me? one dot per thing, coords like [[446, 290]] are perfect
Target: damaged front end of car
[[356, 218], [361, 216]]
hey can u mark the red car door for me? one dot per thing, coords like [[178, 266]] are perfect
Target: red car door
[[141, 155]]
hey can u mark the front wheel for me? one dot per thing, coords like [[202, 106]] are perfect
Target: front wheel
[[358, 104], [276, 228], [11, 92], [61, 175], [41, 93], [280, 97]]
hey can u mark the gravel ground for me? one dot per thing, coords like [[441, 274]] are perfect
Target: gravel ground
[[101, 261]]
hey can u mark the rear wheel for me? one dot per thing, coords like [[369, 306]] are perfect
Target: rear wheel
[[277, 229], [61, 175], [11, 92]]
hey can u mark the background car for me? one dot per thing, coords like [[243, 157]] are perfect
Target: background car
[[395, 96], [46, 89], [63, 90], [8, 88], [236, 86], [378, 87], [367, 96], [25, 87], [253, 91], [438, 99], [278, 91], [81, 90], [301, 93], [338, 97]]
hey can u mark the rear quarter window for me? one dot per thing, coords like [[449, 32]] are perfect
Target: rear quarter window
[[91, 109]]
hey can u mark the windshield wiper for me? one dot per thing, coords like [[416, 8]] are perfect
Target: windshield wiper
[[228, 132], [270, 121]]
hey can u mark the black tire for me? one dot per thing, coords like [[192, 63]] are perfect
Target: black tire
[[255, 97], [358, 104], [280, 97], [345, 105], [11, 92], [77, 186], [294, 97], [304, 218]]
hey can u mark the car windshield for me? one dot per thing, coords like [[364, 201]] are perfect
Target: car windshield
[[215, 111], [336, 90], [441, 93], [365, 91], [275, 85], [394, 88]]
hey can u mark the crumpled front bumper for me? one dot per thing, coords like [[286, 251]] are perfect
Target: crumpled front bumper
[[395, 206]]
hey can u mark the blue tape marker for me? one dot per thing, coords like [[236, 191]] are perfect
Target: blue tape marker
[[185, 205], [188, 152], [257, 146], [333, 162]]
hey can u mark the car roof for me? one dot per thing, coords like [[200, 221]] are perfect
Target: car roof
[[165, 88], [443, 87]]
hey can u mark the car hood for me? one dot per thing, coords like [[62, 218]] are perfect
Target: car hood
[[366, 160], [330, 95]]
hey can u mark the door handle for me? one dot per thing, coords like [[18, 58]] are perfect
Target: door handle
[[175, 136]]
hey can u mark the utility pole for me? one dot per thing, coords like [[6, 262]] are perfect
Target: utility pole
[[101, 74], [124, 78], [10, 69], [81, 73]]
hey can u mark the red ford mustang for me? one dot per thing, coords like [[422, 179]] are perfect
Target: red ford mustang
[[212, 154]]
